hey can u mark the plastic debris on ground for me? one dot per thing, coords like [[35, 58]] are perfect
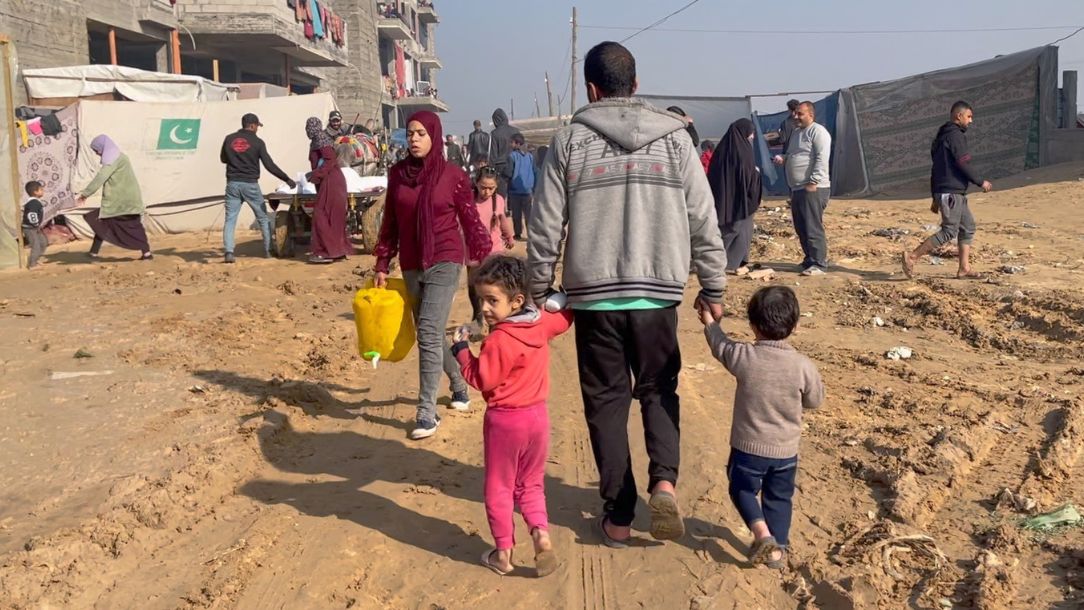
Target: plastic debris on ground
[[900, 352], [1066, 516]]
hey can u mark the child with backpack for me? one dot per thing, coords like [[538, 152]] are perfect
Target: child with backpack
[[521, 185], [512, 372], [775, 383], [492, 212]]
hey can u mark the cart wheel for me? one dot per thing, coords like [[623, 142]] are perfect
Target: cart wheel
[[284, 241], [370, 225]]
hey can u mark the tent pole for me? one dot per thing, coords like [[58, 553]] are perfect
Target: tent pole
[[113, 46], [13, 143], [175, 45]]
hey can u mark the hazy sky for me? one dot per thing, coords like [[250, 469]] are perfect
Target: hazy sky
[[498, 50]]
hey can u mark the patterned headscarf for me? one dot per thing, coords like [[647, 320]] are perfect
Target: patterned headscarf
[[318, 138]]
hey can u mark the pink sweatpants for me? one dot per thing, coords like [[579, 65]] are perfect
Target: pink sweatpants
[[516, 444]]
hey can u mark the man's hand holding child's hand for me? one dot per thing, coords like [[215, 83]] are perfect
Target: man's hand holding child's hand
[[705, 310]]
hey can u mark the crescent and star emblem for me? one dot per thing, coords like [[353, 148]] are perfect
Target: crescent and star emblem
[[177, 140]]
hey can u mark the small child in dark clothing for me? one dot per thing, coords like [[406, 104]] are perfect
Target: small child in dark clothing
[[33, 214], [775, 383]]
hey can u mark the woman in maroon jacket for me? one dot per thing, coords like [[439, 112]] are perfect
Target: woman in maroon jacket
[[429, 211]]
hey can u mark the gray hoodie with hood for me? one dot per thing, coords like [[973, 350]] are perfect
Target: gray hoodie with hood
[[500, 140], [623, 188]]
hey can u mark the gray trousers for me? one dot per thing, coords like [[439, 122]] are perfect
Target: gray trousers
[[956, 220], [38, 242], [432, 291], [807, 211], [736, 239]]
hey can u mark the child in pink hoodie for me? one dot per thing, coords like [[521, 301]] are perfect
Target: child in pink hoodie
[[492, 212], [512, 372]]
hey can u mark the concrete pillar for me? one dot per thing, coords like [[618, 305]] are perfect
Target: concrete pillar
[[1068, 98], [161, 58]]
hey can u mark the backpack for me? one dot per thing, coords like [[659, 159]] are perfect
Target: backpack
[[522, 173]]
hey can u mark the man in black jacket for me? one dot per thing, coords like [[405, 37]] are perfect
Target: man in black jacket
[[477, 145], [500, 146], [454, 152], [243, 152], [949, 178]]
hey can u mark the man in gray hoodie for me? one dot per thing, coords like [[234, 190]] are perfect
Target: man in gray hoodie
[[623, 188], [500, 146]]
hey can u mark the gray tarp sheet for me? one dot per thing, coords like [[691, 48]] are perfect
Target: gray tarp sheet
[[897, 120]]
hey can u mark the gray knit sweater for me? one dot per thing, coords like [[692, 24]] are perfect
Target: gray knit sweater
[[775, 383]]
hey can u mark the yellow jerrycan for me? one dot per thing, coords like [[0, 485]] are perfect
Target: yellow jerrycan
[[385, 322]]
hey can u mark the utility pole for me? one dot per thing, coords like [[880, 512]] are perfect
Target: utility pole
[[537, 108], [549, 93], [512, 106], [575, 32]]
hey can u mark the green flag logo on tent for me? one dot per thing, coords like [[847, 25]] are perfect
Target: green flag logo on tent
[[178, 134]]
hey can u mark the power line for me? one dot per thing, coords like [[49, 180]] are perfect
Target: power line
[[659, 22], [1078, 30], [841, 32]]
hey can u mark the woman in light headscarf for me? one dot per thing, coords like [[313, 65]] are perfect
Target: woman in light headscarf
[[119, 219], [428, 215], [735, 183]]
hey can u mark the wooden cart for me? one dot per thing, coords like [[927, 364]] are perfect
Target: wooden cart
[[293, 221]]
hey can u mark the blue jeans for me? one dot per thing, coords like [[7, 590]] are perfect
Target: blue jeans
[[250, 193], [773, 480]]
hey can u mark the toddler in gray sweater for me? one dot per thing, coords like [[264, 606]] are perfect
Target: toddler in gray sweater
[[775, 383]]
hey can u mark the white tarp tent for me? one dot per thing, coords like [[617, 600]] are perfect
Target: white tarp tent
[[712, 116], [134, 84], [175, 151], [11, 193]]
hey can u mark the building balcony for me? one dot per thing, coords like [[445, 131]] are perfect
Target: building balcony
[[427, 13], [393, 28], [430, 61], [422, 102], [246, 32]]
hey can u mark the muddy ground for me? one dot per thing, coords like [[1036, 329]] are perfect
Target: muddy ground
[[232, 451]]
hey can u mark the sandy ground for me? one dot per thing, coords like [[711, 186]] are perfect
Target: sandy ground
[[238, 454]]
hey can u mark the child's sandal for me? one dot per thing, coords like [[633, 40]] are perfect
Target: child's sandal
[[487, 562]]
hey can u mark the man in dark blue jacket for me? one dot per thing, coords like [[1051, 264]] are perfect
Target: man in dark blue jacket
[[949, 178]]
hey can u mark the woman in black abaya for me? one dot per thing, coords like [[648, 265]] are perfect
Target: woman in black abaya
[[735, 183]]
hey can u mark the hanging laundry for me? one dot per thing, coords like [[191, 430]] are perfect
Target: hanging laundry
[[400, 71], [317, 22], [308, 31], [301, 11]]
